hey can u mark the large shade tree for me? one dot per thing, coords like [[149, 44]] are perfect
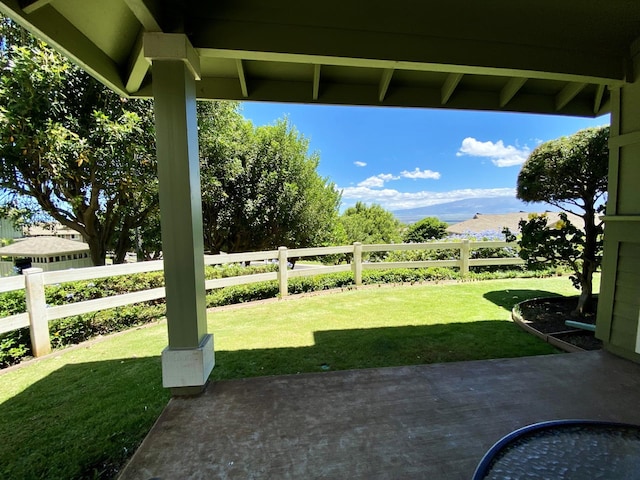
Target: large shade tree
[[570, 173], [86, 156], [260, 186]]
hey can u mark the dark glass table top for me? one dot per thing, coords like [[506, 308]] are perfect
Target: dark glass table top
[[568, 450]]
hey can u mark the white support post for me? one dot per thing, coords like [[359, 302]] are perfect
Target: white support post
[[464, 257], [37, 310], [283, 272], [356, 266]]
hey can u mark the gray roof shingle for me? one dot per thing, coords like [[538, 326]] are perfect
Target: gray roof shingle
[[43, 246]]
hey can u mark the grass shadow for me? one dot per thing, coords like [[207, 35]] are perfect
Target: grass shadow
[[81, 421], [508, 299], [384, 347], [85, 420]]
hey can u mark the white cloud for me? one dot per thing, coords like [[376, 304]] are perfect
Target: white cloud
[[417, 173], [500, 155], [377, 181], [358, 163], [394, 200]]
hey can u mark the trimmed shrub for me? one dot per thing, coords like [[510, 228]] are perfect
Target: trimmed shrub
[[14, 346]]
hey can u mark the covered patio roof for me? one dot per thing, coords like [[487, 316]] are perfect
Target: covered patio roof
[[573, 57], [551, 57]]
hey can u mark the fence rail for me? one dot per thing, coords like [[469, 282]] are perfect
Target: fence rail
[[38, 314]]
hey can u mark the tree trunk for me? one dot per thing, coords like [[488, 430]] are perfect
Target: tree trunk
[[97, 251], [585, 300], [120, 256], [124, 243], [589, 262]]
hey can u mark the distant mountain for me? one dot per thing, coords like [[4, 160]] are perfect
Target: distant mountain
[[460, 210]]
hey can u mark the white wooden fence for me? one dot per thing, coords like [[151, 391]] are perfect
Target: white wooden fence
[[38, 314]]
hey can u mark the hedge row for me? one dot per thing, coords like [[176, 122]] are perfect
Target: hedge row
[[16, 346], [61, 294]]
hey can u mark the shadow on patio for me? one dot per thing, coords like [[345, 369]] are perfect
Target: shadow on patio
[[425, 421]]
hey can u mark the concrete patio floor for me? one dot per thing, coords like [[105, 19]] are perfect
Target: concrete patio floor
[[418, 422]]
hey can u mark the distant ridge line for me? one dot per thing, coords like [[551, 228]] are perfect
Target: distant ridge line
[[461, 210]]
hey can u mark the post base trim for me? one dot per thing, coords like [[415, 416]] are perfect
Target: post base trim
[[188, 367]]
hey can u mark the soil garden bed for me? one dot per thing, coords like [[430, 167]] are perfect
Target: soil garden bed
[[545, 317]]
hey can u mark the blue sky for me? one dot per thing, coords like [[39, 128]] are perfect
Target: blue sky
[[406, 158]]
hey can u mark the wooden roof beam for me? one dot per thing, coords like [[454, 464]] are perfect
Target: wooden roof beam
[[597, 101], [385, 81], [147, 13], [510, 89], [242, 77], [634, 61], [137, 68], [35, 5], [270, 39], [49, 25], [228, 88], [449, 87], [402, 65], [568, 93], [316, 81]]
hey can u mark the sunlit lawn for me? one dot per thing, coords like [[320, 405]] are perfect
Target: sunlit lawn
[[380, 326], [82, 412]]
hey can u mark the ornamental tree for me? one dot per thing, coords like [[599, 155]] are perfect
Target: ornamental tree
[[571, 174]]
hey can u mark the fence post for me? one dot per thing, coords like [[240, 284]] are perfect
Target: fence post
[[464, 257], [357, 263], [282, 271], [37, 310]]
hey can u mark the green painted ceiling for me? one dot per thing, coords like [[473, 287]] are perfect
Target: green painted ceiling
[[548, 56]]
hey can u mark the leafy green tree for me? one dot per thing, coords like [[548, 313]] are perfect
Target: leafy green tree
[[429, 228], [370, 224], [147, 238], [570, 173], [86, 156], [260, 186]]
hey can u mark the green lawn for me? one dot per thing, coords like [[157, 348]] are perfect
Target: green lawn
[[82, 412]]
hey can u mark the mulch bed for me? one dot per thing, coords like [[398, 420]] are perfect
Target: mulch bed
[[547, 315]]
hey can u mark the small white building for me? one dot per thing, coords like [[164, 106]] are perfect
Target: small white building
[[47, 253]]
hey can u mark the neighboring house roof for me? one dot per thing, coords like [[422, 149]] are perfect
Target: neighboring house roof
[[43, 246], [495, 223], [48, 230]]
